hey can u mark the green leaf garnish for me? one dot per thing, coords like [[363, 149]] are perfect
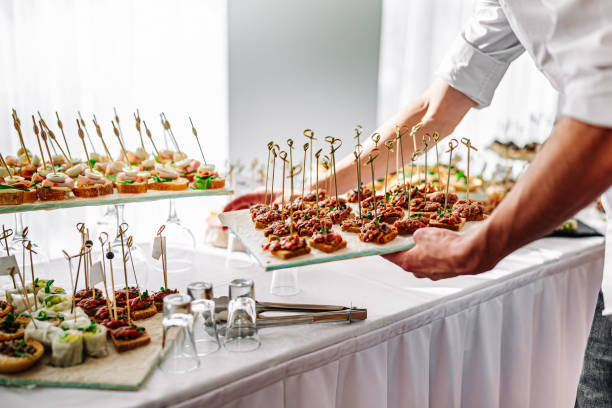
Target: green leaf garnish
[[161, 180], [7, 187], [127, 182]]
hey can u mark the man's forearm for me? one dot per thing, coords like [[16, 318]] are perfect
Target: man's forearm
[[440, 109], [572, 170]]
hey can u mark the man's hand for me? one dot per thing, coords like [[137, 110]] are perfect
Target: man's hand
[[441, 254]]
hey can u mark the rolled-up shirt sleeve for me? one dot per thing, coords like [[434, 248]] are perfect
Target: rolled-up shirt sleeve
[[479, 58]]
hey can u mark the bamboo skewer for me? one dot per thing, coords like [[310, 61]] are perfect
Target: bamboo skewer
[[274, 155], [5, 234], [119, 126], [28, 247], [465, 141], [110, 255], [43, 135], [413, 133], [130, 241], [426, 139], [195, 133], [357, 154], [389, 146], [137, 119], [122, 230], [309, 134], [283, 156], [52, 137], [93, 149], [42, 155], [61, 126], [76, 281], [317, 154], [163, 254], [412, 159], [27, 300], [43, 124], [370, 161], [305, 147], [452, 145], [82, 137], [103, 262], [118, 134], [167, 127], [435, 138], [99, 132], [6, 167], [17, 124], [290, 144], [270, 147], [148, 132]]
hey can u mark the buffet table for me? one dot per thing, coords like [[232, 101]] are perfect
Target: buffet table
[[512, 337]]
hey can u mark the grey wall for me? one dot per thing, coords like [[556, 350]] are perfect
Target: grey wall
[[297, 64]]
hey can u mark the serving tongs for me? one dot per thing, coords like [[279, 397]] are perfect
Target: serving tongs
[[310, 313]]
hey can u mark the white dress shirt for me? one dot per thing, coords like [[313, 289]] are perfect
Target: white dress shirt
[[570, 41]]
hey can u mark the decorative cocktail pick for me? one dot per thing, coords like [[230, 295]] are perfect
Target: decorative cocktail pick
[[398, 138], [61, 126], [5, 234], [75, 282], [326, 163], [270, 147], [415, 154], [162, 248], [27, 245], [25, 296], [274, 155], [110, 255], [89, 263], [317, 154], [305, 147], [36, 132], [426, 140], [309, 134], [167, 127], [283, 156], [357, 154], [294, 171], [43, 135], [6, 167], [389, 146], [118, 126], [99, 132], [43, 125], [82, 137], [122, 230], [371, 158], [103, 263], [290, 144], [81, 229], [137, 119], [413, 133], [376, 139], [452, 145], [468, 144], [118, 135], [435, 138], [195, 133], [53, 139], [396, 130], [17, 124], [130, 243], [93, 149], [332, 142], [148, 132]]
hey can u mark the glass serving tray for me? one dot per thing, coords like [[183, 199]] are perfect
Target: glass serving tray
[[240, 223], [112, 199]]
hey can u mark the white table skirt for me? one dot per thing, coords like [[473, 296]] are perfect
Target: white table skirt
[[513, 337]]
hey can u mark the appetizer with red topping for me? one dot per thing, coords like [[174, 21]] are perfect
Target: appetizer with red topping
[[471, 211], [103, 314], [166, 179], [364, 193], [276, 230], [287, 247], [331, 202], [129, 337], [120, 297], [91, 304], [421, 206], [388, 214], [308, 226], [448, 221], [187, 168], [337, 215], [439, 197], [410, 225], [56, 186], [90, 183], [312, 196], [263, 219], [377, 232], [327, 241], [142, 307], [369, 202], [158, 297], [132, 181], [86, 293], [353, 224]]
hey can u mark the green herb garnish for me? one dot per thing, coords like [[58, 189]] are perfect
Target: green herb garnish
[[127, 182], [161, 180]]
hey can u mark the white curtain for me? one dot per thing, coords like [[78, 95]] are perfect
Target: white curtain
[[153, 55], [415, 37]]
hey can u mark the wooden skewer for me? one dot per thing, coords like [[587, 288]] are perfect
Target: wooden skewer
[[195, 133], [122, 230], [274, 155], [28, 247], [389, 146], [42, 155], [17, 124], [5, 234], [305, 147], [435, 138], [283, 156], [309, 134], [43, 125], [412, 159], [317, 154], [290, 144], [76, 281], [148, 132], [326, 163], [6, 167], [167, 127], [137, 119], [43, 135], [53, 139], [163, 251], [82, 136], [93, 149], [118, 134], [61, 126], [119, 126], [89, 244], [99, 132], [413, 133], [465, 141], [370, 161], [110, 255], [27, 300], [130, 241], [452, 145], [357, 154], [426, 139], [102, 242], [270, 147]]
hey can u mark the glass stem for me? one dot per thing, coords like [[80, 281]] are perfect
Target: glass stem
[[18, 231], [172, 217]]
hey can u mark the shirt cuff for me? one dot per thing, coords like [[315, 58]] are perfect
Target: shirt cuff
[[472, 72]]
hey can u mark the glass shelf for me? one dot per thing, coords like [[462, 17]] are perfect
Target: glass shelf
[[111, 199]]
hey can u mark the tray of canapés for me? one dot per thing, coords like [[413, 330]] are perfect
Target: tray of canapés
[[55, 177], [320, 227], [87, 338]]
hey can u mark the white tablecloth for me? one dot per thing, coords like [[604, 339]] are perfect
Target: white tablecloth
[[512, 337]]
